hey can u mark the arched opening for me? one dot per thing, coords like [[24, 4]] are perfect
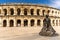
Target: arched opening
[[25, 22], [32, 11], [38, 22], [4, 23], [25, 11], [0, 11], [38, 10], [56, 22], [52, 12], [56, 12], [43, 11], [18, 23], [18, 11], [11, 23], [48, 12], [12, 11], [53, 22], [5, 11], [32, 22]]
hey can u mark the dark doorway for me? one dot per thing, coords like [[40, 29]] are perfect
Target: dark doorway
[[32, 11], [11, 23], [38, 22], [18, 23], [12, 11], [25, 22], [43, 11], [18, 11], [48, 12], [5, 11], [4, 23], [38, 11], [25, 11], [32, 22]]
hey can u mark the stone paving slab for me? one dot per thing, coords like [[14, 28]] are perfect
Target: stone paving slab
[[26, 34]]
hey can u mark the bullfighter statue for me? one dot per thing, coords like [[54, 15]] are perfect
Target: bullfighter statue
[[47, 29]]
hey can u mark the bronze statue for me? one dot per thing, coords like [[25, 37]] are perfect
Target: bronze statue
[[47, 29]]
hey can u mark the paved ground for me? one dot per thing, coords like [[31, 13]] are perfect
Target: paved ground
[[35, 37], [31, 36]]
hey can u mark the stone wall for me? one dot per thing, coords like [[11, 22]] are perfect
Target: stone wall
[[38, 13]]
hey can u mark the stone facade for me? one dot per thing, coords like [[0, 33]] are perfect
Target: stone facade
[[30, 15]]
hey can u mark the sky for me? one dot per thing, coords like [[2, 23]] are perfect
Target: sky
[[52, 3]]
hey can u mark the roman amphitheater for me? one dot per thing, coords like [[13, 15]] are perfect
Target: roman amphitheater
[[23, 18], [22, 15]]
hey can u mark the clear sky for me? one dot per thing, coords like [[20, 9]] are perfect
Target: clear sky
[[53, 3]]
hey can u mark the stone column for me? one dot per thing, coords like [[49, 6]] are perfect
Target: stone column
[[7, 11], [29, 23], [22, 11], [45, 13], [2, 12], [35, 13], [29, 13], [1, 22], [22, 23], [41, 22], [15, 10], [50, 14], [41, 13], [8, 23], [35, 24], [14, 23]]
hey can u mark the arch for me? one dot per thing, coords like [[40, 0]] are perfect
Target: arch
[[18, 22], [38, 10], [18, 11], [5, 11], [53, 22], [12, 11], [48, 12], [4, 23], [32, 11], [38, 22], [43, 11], [25, 22], [32, 22], [56, 22], [11, 23], [56, 12], [0, 11], [25, 11], [52, 11]]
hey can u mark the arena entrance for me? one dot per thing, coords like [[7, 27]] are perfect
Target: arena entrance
[[18, 23], [4, 23], [32, 22], [11, 23], [38, 22], [25, 22]]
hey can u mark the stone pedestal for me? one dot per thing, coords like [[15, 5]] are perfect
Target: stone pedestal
[[47, 31]]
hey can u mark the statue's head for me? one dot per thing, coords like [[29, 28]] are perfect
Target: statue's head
[[47, 16]]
